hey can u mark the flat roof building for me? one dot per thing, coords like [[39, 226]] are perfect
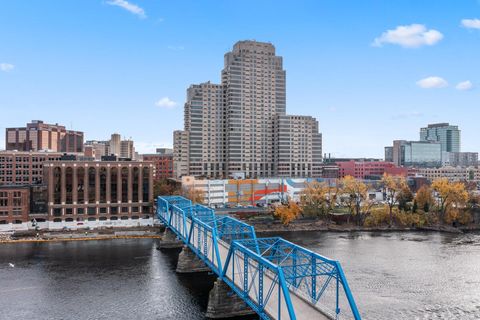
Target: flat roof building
[[37, 136]]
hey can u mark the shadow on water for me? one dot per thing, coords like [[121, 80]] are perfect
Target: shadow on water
[[198, 285]]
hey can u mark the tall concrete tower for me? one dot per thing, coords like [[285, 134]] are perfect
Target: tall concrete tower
[[115, 140], [254, 83]]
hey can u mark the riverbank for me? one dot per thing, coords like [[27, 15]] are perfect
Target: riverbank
[[299, 226], [81, 235]]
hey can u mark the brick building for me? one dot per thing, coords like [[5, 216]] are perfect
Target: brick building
[[369, 169], [163, 163], [14, 204], [23, 168], [99, 190], [37, 135]]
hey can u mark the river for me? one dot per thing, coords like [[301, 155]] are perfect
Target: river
[[392, 275]]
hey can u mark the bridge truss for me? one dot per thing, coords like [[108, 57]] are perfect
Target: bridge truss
[[276, 278]]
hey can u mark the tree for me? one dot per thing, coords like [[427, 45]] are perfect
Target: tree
[[165, 188], [196, 195], [288, 213], [318, 199], [393, 187], [354, 196], [424, 198], [450, 195]]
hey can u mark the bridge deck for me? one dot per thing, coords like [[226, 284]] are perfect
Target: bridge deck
[[276, 278]]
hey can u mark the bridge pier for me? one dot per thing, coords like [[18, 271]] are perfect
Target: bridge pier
[[169, 240], [188, 262], [224, 303]]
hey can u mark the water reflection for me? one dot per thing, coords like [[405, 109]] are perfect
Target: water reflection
[[392, 275]]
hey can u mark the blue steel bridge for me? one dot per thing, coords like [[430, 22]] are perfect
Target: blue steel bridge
[[276, 278]]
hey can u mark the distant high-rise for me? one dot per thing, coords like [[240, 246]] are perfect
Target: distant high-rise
[[241, 126], [37, 136], [254, 82], [448, 136], [115, 144]]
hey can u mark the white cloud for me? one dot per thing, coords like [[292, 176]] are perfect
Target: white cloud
[[133, 8], [432, 83], [471, 23], [165, 102], [464, 85], [176, 48], [6, 67], [412, 36]]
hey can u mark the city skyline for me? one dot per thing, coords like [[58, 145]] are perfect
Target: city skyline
[[367, 82]]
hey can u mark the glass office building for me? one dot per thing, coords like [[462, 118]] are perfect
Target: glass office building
[[448, 136]]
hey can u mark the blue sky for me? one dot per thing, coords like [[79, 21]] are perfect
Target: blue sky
[[370, 71]]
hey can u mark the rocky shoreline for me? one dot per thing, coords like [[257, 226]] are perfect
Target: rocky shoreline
[[80, 235], [322, 226]]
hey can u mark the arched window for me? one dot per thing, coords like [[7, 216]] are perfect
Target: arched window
[[124, 184], [57, 185], [103, 185], [102, 218], [113, 185], [80, 185], [69, 220], [69, 185], [113, 218], [91, 185], [124, 218], [146, 174], [136, 179], [57, 220]]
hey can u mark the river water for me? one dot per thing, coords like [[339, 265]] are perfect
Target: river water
[[392, 276]]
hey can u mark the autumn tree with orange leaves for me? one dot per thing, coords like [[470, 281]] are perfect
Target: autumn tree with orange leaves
[[393, 186], [450, 196], [319, 198], [288, 213]]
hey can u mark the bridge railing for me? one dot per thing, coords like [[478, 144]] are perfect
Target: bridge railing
[[277, 278], [309, 275]]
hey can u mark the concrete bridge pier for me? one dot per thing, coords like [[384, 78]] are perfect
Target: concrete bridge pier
[[224, 303], [169, 240], [188, 262]]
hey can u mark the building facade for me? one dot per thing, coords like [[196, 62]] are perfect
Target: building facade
[[99, 190], [14, 204], [371, 170], [448, 136], [38, 136], [416, 153], [461, 159], [298, 147], [454, 174], [163, 164], [233, 128], [24, 168]]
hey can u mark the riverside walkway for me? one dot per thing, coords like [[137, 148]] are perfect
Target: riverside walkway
[[276, 278]]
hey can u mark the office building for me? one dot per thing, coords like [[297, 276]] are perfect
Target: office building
[[448, 136], [233, 128], [162, 162], [453, 174], [298, 146], [370, 170], [98, 190], [24, 168], [38, 136], [416, 153], [14, 204], [460, 159], [114, 144]]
